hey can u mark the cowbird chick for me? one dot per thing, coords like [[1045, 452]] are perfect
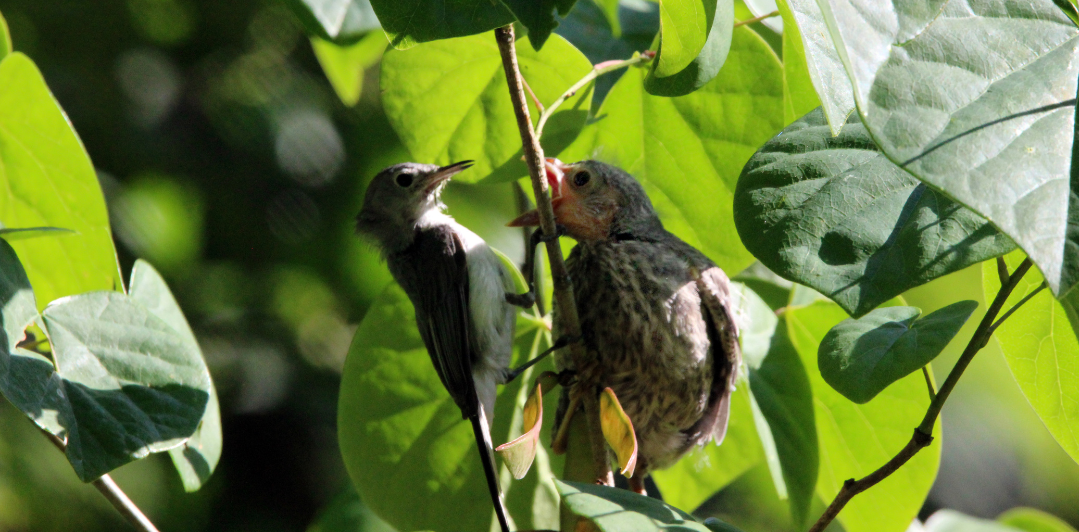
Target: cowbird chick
[[656, 314], [460, 289]]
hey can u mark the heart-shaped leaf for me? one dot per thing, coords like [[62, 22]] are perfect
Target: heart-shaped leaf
[[857, 439], [340, 21], [410, 22], [448, 101], [519, 453], [687, 152], [47, 180], [618, 431], [860, 357], [617, 510], [702, 68], [978, 102], [197, 458], [1040, 346], [835, 214]]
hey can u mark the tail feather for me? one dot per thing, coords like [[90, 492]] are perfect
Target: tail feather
[[486, 449]]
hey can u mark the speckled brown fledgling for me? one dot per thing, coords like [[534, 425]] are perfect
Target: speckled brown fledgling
[[656, 314]]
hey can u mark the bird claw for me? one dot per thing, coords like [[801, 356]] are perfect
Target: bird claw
[[525, 300], [539, 236]]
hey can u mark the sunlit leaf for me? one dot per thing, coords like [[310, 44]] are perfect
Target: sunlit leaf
[[519, 453], [345, 65], [617, 510], [822, 62], [684, 28], [702, 68], [48, 181], [197, 458], [5, 36], [953, 521], [860, 357], [688, 151], [448, 101], [410, 22], [835, 214], [618, 431], [857, 439], [971, 98], [12, 234], [799, 95], [1039, 344], [1033, 520]]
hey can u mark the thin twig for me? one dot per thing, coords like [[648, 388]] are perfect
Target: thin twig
[[532, 94], [929, 383], [1016, 306], [923, 435], [757, 19], [597, 71], [116, 496], [563, 288]]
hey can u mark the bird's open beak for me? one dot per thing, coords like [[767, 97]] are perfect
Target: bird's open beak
[[556, 171], [444, 174]]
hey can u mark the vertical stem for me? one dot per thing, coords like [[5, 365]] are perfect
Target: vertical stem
[[563, 289]]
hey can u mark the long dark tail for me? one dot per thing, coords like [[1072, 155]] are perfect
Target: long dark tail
[[486, 449]]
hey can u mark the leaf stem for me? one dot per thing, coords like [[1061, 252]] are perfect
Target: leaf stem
[[929, 383], [563, 288], [757, 19], [923, 435], [116, 496], [597, 71]]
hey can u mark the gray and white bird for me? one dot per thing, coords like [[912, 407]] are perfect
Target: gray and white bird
[[463, 295], [656, 314]]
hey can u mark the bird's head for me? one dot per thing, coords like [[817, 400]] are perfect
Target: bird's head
[[400, 198], [595, 201]]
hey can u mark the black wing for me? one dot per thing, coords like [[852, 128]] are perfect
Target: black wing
[[717, 309], [434, 273]]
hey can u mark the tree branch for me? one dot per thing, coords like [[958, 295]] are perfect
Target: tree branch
[[116, 496], [923, 435], [568, 321]]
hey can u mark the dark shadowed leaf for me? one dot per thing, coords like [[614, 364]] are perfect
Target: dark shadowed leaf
[[340, 21], [1039, 344], [617, 510], [449, 101], [860, 357], [345, 65], [702, 68], [347, 513], [410, 22], [835, 214], [48, 181], [539, 16], [978, 102], [24, 375], [197, 458]]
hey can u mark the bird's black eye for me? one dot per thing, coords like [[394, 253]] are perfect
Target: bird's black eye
[[403, 180], [581, 178]]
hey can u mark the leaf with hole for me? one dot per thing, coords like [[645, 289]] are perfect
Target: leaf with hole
[[860, 357], [978, 101], [448, 101], [48, 180], [837, 215]]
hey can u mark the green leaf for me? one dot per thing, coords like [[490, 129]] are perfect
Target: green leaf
[[610, 12], [47, 180], [449, 101], [616, 510], [822, 61], [704, 66], [799, 96], [1039, 344], [687, 152], [347, 513], [1033, 520], [860, 357], [340, 21], [539, 16], [135, 385], [685, 26], [403, 440], [410, 22], [24, 376], [197, 458], [835, 214], [953, 521], [345, 65], [5, 37], [857, 439], [21, 233], [706, 470], [967, 125]]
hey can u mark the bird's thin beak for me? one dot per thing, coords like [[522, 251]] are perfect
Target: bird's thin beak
[[556, 171], [443, 174]]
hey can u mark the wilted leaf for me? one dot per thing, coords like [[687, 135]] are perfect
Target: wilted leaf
[[519, 453], [618, 431], [835, 214], [48, 180], [860, 357]]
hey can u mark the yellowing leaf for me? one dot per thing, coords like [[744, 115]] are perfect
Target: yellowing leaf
[[618, 431], [519, 453]]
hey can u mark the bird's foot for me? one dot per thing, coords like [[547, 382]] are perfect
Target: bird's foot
[[561, 342], [538, 235], [525, 300]]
